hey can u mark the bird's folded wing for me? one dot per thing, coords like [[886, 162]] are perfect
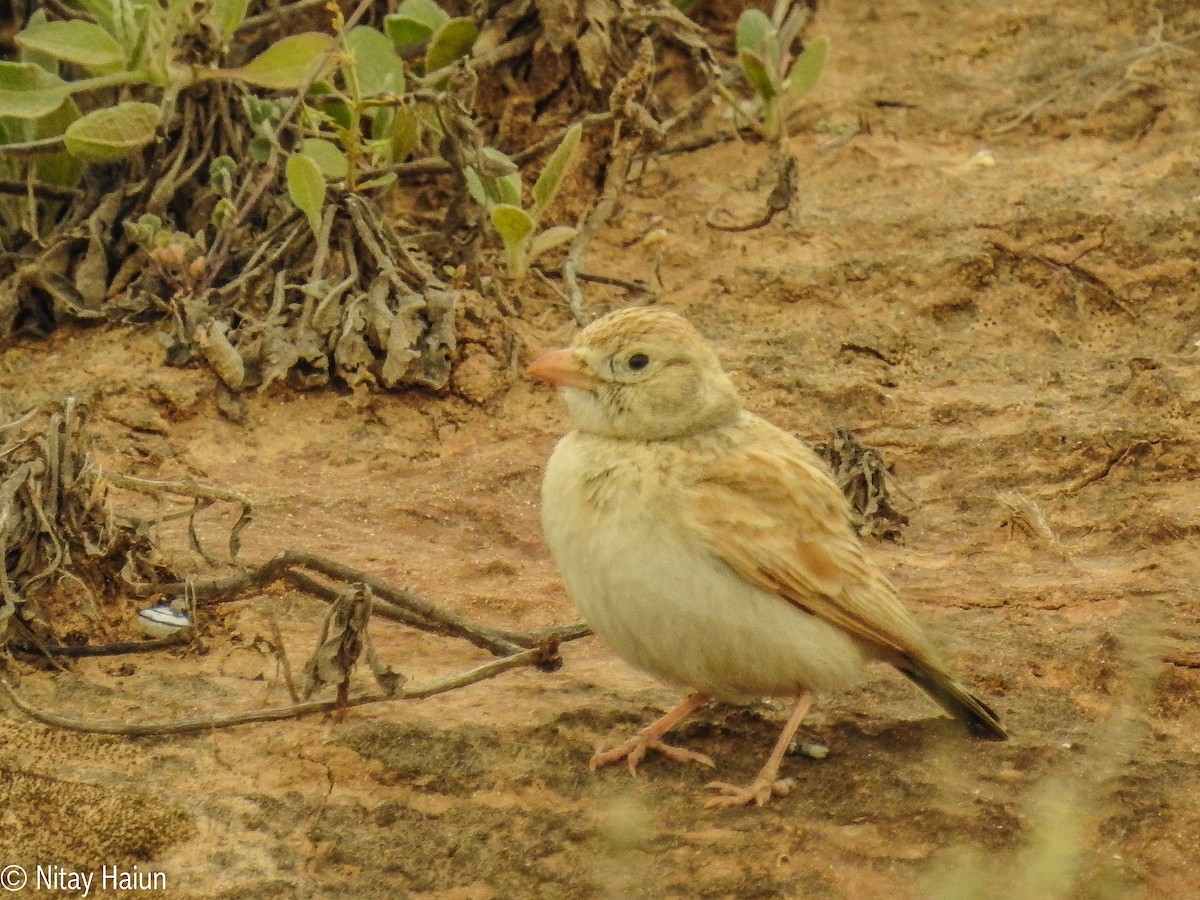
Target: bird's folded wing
[[777, 518]]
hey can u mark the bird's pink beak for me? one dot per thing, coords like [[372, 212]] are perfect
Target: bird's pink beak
[[563, 368]]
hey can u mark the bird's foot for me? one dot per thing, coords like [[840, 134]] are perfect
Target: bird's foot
[[759, 791], [633, 751]]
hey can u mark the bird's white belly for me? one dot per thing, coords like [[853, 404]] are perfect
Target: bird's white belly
[[653, 593]]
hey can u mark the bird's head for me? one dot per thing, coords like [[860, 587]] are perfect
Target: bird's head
[[640, 374]]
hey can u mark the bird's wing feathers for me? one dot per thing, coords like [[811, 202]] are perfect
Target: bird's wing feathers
[[769, 509]]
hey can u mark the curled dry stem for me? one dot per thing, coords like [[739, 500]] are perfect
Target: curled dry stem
[[202, 495], [782, 195]]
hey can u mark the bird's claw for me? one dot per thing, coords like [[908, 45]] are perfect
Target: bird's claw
[[633, 751], [759, 791]]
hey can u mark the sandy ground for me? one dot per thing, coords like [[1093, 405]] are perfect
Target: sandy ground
[[991, 279]]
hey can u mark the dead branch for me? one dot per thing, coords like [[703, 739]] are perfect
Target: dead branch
[[390, 601], [637, 287], [42, 191], [118, 648], [540, 657]]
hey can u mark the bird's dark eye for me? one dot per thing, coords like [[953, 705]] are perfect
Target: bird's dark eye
[[639, 361]]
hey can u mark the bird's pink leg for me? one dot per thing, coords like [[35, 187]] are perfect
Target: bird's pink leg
[[766, 785], [650, 738]]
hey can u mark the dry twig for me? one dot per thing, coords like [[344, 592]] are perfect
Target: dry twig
[[540, 657], [782, 195]]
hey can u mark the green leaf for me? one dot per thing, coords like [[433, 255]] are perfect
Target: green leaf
[[495, 163], [404, 32], [512, 223], [334, 113], [45, 60], [227, 15], [288, 63], [132, 23], [125, 21], [414, 21], [379, 69], [758, 75], [221, 172], [260, 148], [508, 189], [382, 181], [260, 112], [57, 168], [306, 187], [501, 177], [514, 227], [402, 133], [427, 12], [142, 25], [112, 133], [475, 187], [55, 123], [223, 213], [144, 231], [27, 91], [551, 238], [107, 13], [557, 166], [453, 40], [753, 29], [76, 41], [378, 123], [329, 158], [808, 67]]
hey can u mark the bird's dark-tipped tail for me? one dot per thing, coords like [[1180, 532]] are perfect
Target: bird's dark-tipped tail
[[956, 699]]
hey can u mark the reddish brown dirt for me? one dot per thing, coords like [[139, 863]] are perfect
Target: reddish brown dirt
[[992, 281]]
